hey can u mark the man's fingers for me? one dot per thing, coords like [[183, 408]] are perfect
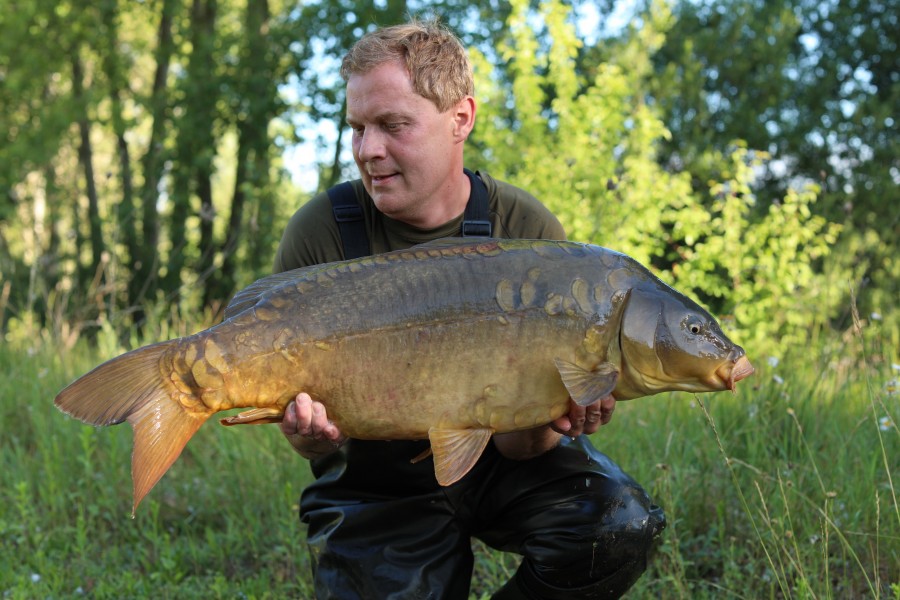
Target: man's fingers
[[586, 419], [607, 406], [304, 414], [289, 421]]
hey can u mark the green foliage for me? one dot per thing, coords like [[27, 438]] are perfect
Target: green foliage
[[584, 147], [814, 84], [761, 271]]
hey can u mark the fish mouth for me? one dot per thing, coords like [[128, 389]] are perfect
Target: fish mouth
[[731, 373]]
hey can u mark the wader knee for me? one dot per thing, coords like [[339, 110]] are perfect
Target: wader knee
[[606, 567]]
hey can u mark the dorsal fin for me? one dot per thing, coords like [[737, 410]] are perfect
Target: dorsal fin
[[452, 242], [260, 288]]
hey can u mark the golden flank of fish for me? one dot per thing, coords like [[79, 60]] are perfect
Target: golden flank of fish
[[451, 341]]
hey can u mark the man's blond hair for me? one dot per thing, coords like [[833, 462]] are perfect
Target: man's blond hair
[[435, 59]]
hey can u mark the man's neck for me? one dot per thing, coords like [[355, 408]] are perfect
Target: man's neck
[[451, 203]]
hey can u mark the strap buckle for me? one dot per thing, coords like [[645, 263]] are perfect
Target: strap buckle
[[476, 228]]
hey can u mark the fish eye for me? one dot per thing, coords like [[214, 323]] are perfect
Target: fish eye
[[694, 326]]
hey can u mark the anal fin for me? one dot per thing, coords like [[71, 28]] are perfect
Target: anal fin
[[456, 451]]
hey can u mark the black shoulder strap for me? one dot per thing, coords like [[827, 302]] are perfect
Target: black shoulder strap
[[476, 221], [352, 225], [349, 218]]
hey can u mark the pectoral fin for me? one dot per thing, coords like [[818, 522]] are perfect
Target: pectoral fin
[[456, 451], [586, 387], [256, 416], [421, 456]]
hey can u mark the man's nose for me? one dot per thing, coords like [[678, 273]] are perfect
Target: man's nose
[[371, 145]]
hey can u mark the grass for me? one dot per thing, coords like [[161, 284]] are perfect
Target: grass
[[788, 489]]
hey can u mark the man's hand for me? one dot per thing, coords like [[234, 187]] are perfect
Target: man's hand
[[308, 429], [521, 445], [585, 419]]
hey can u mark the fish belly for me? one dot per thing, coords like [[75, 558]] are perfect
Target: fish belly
[[479, 373]]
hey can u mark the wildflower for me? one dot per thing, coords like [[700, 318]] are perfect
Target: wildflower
[[814, 539], [891, 387], [778, 379], [885, 423], [875, 316], [773, 361], [35, 578], [895, 366]]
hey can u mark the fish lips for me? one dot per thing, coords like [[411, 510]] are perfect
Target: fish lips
[[732, 372]]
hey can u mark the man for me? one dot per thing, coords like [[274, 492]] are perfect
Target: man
[[379, 525]]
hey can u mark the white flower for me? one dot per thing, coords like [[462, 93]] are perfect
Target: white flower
[[773, 361], [895, 366], [885, 423], [35, 578], [778, 379], [875, 316]]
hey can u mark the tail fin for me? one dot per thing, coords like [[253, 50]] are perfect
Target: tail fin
[[132, 388]]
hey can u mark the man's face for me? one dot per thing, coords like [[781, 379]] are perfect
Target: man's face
[[403, 146]]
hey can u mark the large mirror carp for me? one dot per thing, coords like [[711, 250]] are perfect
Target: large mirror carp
[[451, 341]]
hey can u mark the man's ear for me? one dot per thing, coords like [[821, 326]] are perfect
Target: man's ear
[[463, 118]]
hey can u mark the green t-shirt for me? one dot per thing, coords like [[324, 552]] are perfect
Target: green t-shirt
[[312, 236]]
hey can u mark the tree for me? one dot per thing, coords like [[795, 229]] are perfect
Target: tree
[[816, 86], [582, 140]]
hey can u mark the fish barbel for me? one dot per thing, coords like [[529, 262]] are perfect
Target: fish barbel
[[451, 341]]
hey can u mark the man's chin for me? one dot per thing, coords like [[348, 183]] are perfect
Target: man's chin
[[387, 203]]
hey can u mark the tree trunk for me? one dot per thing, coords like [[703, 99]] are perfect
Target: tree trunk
[[196, 150], [334, 176], [85, 157], [126, 212], [204, 103], [146, 282], [258, 95]]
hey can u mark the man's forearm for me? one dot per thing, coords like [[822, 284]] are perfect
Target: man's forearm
[[529, 443]]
